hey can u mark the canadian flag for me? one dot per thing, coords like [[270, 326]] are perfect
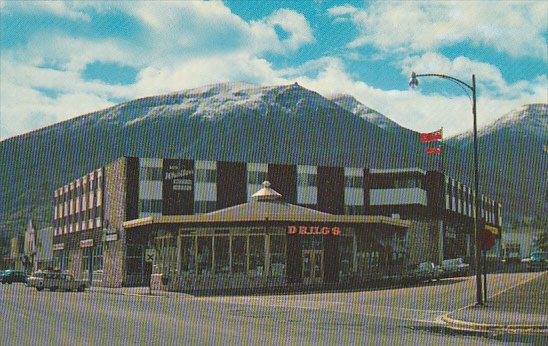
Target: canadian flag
[[432, 136]]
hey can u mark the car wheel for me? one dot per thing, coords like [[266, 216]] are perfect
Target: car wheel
[[39, 288]]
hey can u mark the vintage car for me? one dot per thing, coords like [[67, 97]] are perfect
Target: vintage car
[[537, 261], [424, 272], [54, 280], [454, 267], [10, 276]]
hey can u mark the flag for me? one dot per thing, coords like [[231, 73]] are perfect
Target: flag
[[488, 236], [432, 136], [436, 151]]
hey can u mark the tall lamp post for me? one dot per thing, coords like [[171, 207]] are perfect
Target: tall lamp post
[[414, 82]]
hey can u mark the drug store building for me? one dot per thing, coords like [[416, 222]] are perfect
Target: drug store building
[[199, 224], [270, 243]]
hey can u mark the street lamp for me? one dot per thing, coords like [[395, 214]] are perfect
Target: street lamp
[[414, 82]]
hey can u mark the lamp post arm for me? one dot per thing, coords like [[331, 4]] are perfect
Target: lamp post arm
[[472, 88]]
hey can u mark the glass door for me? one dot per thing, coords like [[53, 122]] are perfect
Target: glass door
[[312, 266]]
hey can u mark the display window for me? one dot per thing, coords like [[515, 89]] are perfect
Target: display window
[[256, 255], [277, 255], [222, 254], [205, 255], [239, 254]]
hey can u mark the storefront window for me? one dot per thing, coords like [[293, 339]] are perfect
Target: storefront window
[[256, 255], [368, 256], [239, 254], [188, 264], [204, 255], [222, 263], [166, 258], [98, 258], [86, 254], [346, 255], [277, 255]]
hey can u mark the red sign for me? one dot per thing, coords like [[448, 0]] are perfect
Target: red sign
[[307, 230]]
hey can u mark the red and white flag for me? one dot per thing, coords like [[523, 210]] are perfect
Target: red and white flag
[[432, 136]]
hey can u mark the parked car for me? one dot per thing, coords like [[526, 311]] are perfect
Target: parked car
[[454, 267], [537, 261], [10, 276], [53, 281], [425, 271]]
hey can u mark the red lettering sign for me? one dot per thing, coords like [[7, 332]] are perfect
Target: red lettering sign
[[306, 230]]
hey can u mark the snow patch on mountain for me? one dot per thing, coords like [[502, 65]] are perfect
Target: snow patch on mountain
[[349, 103]]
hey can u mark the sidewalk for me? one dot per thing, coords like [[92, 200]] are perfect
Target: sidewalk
[[134, 291], [521, 308]]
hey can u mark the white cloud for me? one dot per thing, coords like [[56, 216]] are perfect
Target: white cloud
[[514, 28], [70, 10], [424, 112], [295, 24]]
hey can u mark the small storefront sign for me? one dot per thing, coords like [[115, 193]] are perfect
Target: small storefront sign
[[58, 247], [110, 235], [309, 230], [86, 243]]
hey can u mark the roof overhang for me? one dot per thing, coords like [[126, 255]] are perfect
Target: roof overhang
[[190, 220]]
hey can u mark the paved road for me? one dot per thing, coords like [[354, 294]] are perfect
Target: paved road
[[398, 316]]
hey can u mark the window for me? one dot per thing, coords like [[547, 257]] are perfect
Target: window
[[206, 175], [222, 263], [98, 258], [150, 206], [346, 255], [150, 173], [204, 255], [256, 254], [188, 265], [307, 179], [201, 207], [239, 254], [166, 255], [353, 181], [277, 255], [256, 177]]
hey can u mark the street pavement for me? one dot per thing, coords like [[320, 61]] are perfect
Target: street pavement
[[515, 306], [522, 307]]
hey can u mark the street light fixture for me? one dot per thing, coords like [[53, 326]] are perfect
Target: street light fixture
[[414, 82]]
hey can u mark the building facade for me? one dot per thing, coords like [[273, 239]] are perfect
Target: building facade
[[116, 225]]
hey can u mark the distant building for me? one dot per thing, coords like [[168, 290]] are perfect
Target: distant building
[[29, 252], [16, 253], [44, 249], [199, 223]]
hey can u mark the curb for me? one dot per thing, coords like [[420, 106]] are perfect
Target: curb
[[485, 327]]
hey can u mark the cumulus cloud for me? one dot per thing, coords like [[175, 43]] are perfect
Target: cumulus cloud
[[513, 28], [69, 10]]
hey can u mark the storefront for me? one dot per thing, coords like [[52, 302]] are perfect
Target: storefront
[[268, 243]]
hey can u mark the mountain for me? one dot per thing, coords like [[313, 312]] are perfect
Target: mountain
[[512, 156], [349, 103], [228, 121]]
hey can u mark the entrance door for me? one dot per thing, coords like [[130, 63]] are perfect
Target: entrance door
[[312, 266]]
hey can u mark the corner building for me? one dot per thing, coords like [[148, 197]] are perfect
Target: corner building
[[191, 225]]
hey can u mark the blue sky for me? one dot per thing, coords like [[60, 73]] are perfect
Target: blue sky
[[63, 59]]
